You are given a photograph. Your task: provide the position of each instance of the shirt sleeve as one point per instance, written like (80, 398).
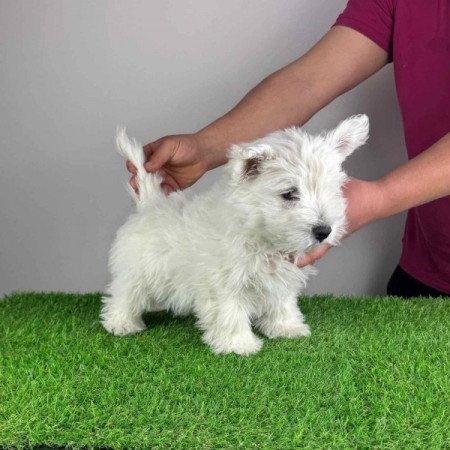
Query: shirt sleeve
(372, 18)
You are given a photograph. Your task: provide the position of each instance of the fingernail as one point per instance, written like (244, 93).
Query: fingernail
(166, 188)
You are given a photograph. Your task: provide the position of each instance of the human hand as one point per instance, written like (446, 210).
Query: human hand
(363, 206)
(180, 159)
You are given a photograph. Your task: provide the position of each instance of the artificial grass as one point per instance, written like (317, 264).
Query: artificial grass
(374, 374)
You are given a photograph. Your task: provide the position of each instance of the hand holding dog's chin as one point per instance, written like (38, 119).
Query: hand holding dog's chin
(364, 205)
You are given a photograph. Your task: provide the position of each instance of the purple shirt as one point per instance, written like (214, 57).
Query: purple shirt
(416, 35)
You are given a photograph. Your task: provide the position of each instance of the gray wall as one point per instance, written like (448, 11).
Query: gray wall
(70, 71)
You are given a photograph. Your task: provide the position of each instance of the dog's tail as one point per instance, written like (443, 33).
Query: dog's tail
(149, 184)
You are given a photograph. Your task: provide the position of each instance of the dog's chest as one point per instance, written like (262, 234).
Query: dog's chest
(277, 273)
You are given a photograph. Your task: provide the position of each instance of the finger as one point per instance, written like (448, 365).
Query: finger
(306, 260)
(167, 188)
(133, 183)
(131, 167)
(170, 182)
(148, 149)
(312, 257)
(160, 156)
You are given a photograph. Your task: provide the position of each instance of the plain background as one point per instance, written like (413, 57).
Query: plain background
(70, 71)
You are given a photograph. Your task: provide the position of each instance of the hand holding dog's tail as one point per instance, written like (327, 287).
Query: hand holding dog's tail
(148, 184)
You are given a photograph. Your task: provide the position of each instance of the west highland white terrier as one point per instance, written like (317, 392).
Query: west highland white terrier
(228, 255)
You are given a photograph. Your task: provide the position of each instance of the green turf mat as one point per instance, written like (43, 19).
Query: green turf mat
(374, 374)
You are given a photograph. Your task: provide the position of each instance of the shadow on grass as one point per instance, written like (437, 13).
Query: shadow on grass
(167, 318)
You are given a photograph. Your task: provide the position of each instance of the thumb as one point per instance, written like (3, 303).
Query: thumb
(313, 256)
(160, 155)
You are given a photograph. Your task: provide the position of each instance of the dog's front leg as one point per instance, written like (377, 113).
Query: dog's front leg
(281, 317)
(123, 307)
(227, 328)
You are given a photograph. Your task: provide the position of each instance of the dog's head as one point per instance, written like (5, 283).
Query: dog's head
(288, 184)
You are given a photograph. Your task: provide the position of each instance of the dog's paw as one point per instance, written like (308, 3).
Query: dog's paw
(245, 345)
(123, 327)
(286, 329)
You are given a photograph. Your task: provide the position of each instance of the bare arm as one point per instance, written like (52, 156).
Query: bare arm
(342, 59)
(420, 180)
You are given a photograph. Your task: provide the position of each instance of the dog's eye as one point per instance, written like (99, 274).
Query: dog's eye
(291, 195)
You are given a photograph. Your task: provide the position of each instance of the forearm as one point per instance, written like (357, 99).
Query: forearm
(421, 180)
(339, 61)
(279, 101)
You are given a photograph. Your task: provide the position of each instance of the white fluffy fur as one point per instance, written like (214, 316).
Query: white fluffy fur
(227, 255)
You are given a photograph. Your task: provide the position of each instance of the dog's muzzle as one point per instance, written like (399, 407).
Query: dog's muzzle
(321, 232)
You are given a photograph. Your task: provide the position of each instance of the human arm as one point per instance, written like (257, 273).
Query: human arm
(339, 61)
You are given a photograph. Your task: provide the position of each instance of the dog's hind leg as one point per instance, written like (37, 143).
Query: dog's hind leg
(123, 307)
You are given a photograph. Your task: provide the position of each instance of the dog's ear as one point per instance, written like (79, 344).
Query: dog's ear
(350, 134)
(244, 161)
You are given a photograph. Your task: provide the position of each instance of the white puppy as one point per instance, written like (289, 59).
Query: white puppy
(227, 255)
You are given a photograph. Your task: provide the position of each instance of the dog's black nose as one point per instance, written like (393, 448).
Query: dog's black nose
(321, 232)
